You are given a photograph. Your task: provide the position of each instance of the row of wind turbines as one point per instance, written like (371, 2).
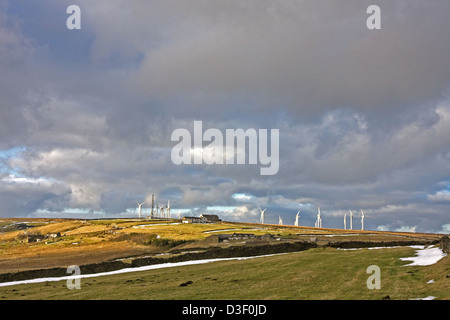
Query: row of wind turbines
(158, 211)
(318, 222)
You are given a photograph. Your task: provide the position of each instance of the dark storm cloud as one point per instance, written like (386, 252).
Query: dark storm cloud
(302, 57)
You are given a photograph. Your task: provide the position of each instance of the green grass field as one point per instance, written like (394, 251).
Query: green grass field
(314, 274)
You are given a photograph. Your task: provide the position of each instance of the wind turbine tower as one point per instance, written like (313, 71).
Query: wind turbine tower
(345, 221)
(297, 216)
(169, 215)
(140, 207)
(319, 219)
(362, 219)
(153, 206)
(261, 219)
(280, 220)
(351, 220)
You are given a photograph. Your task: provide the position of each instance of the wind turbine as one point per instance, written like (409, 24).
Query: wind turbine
(351, 220)
(362, 219)
(319, 219)
(280, 220)
(345, 221)
(153, 206)
(297, 216)
(140, 207)
(261, 219)
(169, 215)
(316, 223)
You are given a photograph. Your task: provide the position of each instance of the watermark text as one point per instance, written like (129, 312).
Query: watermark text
(190, 148)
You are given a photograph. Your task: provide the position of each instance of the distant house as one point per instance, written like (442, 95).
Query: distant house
(229, 237)
(268, 236)
(210, 217)
(242, 236)
(35, 238)
(204, 218)
(194, 220)
(217, 238)
(54, 235)
(22, 226)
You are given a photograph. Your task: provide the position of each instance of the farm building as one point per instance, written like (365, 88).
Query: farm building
(204, 218)
(194, 220)
(229, 237)
(36, 237)
(210, 217)
(242, 236)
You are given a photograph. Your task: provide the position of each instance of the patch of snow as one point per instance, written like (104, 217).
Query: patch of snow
(375, 248)
(431, 281)
(425, 257)
(413, 246)
(426, 298)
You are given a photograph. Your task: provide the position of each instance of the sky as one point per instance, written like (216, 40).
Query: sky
(87, 115)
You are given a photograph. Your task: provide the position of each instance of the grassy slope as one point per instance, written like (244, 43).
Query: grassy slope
(112, 238)
(313, 274)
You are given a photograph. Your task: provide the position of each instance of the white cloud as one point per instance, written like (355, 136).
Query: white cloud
(446, 228)
(240, 213)
(440, 196)
(12, 179)
(406, 229)
(243, 197)
(398, 229)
